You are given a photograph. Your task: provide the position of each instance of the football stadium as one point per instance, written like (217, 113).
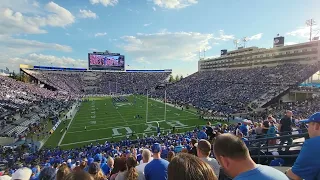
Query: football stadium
(128, 112)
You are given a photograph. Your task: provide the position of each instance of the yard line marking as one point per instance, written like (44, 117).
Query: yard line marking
(118, 136)
(74, 111)
(122, 117)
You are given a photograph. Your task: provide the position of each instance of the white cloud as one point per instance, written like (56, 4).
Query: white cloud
(13, 50)
(67, 34)
(100, 34)
(93, 50)
(174, 4)
(45, 60)
(14, 22)
(148, 24)
(165, 45)
(142, 60)
(58, 61)
(224, 37)
(255, 37)
(303, 32)
(104, 2)
(35, 4)
(87, 14)
(21, 45)
(154, 8)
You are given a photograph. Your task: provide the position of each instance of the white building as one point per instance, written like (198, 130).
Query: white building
(253, 56)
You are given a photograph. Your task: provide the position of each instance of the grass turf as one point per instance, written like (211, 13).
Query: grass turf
(101, 117)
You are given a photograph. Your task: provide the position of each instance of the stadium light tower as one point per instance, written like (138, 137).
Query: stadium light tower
(310, 23)
(236, 43)
(245, 40)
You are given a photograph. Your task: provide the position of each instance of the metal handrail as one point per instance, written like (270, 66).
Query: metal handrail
(260, 140)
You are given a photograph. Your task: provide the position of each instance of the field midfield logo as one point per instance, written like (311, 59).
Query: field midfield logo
(116, 131)
(175, 124)
(150, 127)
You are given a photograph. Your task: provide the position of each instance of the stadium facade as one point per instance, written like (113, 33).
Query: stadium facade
(303, 53)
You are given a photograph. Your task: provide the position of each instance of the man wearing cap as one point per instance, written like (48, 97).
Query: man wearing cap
(203, 151)
(202, 134)
(307, 165)
(157, 169)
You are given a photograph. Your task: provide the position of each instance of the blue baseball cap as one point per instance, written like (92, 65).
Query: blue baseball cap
(156, 148)
(313, 118)
(204, 128)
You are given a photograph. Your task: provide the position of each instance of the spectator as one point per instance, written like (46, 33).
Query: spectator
(178, 147)
(119, 165)
(285, 128)
(244, 129)
(188, 167)
(146, 157)
(22, 174)
(78, 175)
(95, 171)
(203, 151)
(62, 172)
(245, 140)
(259, 130)
(171, 155)
(131, 173)
(193, 149)
(107, 167)
(307, 165)
(209, 130)
(157, 168)
(233, 155)
(272, 132)
(202, 134)
(35, 173)
(83, 164)
(48, 173)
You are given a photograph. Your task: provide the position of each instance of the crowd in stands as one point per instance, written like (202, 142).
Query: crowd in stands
(22, 105)
(230, 91)
(207, 153)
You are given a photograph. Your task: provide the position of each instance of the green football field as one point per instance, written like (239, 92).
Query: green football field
(99, 120)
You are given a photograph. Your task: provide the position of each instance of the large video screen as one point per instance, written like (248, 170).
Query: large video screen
(106, 62)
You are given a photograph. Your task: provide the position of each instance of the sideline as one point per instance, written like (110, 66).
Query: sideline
(73, 112)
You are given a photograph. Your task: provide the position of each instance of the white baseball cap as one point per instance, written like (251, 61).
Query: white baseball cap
(22, 174)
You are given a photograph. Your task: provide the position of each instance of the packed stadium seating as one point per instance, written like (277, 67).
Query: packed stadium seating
(29, 102)
(230, 91)
(223, 91)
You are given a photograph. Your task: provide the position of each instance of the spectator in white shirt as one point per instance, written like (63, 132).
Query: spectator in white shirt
(146, 158)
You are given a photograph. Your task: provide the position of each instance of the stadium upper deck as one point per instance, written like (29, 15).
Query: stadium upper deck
(304, 53)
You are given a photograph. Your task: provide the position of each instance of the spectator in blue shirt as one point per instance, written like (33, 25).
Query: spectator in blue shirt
(157, 169)
(244, 129)
(307, 165)
(178, 147)
(245, 140)
(234, 157)
(202, 134)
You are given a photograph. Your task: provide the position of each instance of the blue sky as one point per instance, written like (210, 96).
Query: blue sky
(152, 34)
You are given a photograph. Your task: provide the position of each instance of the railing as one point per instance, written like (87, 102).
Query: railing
(257, 145)
(264, 141)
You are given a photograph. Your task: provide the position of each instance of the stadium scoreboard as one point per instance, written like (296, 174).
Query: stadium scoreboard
(106, 61)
